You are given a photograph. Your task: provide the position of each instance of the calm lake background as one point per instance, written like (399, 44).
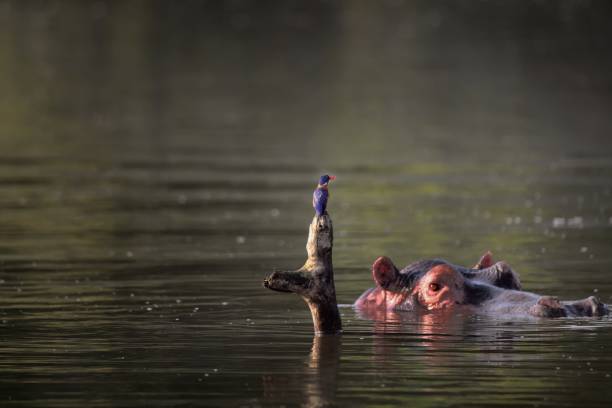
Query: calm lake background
(157, 161)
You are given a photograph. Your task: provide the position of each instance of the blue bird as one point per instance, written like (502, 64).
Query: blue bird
(321, 193)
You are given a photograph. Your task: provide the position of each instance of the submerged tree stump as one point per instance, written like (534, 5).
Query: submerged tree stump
(314, 281)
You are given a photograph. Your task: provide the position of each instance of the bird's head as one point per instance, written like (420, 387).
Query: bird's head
(325, 179)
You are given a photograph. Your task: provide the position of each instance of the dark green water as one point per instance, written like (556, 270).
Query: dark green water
(157, 162)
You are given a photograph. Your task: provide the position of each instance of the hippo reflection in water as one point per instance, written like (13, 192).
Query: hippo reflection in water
(487, 288)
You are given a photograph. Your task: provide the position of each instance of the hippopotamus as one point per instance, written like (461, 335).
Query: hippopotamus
(486, 288)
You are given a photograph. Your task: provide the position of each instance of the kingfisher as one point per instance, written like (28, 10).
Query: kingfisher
(321, 193)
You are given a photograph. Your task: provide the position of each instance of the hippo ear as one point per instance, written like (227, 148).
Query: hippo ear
(384, 272)
(485, 261)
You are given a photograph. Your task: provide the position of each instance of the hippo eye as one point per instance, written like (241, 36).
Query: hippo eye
(434, 287)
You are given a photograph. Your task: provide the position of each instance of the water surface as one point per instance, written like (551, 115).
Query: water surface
(157, 161)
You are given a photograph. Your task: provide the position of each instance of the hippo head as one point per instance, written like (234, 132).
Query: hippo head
(440, 287)
(436, 285)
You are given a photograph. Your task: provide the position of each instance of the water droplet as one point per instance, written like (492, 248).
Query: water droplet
(129, 254)
(240, 239)
(584, 249)
(275, 212)
(224, 303)
(575, 222)
(149, 309)
(558, 222)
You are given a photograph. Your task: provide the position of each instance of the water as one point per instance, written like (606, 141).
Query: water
(157, 161)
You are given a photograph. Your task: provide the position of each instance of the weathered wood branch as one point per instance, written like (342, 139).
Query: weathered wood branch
(314, 281)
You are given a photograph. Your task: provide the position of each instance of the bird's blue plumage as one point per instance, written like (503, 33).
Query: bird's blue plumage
(319, 200)
(324, 179)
